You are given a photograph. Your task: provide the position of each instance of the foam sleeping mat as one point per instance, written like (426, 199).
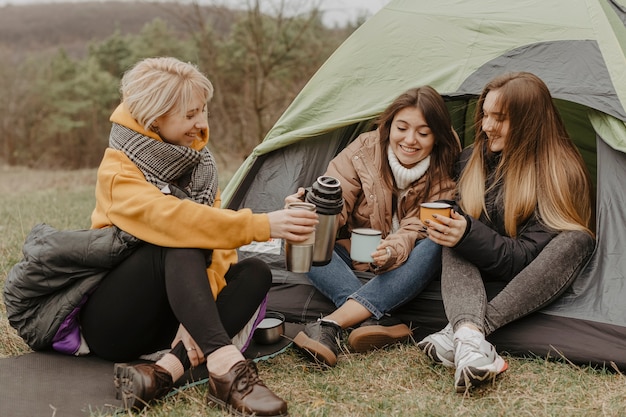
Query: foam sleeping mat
(41, 384)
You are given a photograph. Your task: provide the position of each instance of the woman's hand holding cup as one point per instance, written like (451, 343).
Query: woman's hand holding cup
(292, 225)
(446, 231)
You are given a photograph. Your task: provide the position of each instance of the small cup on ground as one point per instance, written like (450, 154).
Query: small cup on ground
(428, 209)
(270, 329)
(363, 243)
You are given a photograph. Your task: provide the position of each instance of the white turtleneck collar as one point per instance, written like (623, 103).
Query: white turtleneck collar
(406, 176)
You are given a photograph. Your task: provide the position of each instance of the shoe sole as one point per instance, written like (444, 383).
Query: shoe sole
(124, 381)
(430, 350)
(364, 339)
(315, 350)
(216, 402)
(473, 376)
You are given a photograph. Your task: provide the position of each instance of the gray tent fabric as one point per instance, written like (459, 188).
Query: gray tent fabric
(591, 298)
(583, 58)
(457, 46)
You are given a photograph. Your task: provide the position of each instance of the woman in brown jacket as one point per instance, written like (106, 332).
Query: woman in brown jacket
(385, 174)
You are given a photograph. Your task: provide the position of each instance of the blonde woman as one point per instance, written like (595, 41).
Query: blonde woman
(183, 287)
(522, 183)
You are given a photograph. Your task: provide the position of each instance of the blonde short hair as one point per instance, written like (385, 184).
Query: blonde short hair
(157, 86)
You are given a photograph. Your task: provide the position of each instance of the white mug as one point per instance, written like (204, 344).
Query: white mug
(363, 243)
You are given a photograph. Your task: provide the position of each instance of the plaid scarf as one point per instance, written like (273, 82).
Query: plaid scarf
(163, 163)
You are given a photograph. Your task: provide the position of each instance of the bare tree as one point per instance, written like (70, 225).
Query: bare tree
(258, 56)
(55, 105)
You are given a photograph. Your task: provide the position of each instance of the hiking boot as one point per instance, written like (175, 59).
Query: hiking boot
(439, 347)
(240, 391)
(320, 341)
(139, 384)
(376, 334)
(476, 360)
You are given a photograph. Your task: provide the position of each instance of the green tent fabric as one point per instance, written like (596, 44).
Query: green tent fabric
(577, 47)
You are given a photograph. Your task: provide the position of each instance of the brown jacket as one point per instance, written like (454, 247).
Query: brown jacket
(368, 199)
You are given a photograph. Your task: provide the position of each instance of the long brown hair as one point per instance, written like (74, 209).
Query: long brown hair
(446, 147)
(540, 166)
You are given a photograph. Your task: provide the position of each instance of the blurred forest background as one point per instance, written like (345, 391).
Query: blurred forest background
(61, 65)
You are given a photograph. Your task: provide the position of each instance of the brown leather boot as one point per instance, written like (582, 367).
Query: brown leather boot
(376, 334)
(242, 392)
(139, 384)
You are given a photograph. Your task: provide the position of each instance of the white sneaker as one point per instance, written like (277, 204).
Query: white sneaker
(476, 360)
(439, 347)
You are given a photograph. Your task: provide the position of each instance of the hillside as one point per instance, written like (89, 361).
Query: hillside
(65, 103)
(42, 27)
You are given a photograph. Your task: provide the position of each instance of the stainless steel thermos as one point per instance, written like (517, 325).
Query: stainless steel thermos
(326, 195)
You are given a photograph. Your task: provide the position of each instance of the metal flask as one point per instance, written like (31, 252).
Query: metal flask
(326, 194)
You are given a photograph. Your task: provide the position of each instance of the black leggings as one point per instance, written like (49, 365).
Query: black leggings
(137, 308)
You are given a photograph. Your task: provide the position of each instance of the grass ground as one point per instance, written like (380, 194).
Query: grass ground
(397, 381)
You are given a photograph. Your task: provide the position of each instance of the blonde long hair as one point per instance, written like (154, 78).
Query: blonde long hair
(540, 166)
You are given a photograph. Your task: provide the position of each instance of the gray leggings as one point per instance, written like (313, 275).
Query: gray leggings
(541, 282)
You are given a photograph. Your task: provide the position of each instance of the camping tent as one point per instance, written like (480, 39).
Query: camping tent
(576, 46)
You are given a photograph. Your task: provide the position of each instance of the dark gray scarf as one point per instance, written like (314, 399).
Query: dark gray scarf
(163, 163)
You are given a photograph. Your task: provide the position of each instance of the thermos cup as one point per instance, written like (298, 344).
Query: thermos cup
(326, 195)
(299, 255)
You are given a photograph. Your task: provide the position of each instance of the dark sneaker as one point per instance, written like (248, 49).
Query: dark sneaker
(320, 342)
(476, 360)
(376, 334)
(439, 347)
(241, 392)
(137, 385)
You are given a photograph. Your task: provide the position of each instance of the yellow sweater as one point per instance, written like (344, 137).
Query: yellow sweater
(124, 198)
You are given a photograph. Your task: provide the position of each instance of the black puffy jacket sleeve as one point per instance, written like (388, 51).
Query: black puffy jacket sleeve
(501, 257)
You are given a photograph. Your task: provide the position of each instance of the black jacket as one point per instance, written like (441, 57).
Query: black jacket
(486, 244)
(58, 269)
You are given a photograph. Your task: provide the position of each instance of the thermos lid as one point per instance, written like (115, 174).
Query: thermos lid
(326, 194)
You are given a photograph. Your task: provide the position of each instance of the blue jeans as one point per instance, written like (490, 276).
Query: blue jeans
(384, 292)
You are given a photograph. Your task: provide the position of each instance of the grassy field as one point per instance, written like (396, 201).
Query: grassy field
(398, 381)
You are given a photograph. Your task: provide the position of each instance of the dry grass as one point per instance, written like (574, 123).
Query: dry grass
(398, 381)
(63, 199)
(18, 180)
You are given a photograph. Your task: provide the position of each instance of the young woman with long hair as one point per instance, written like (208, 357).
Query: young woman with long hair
(521, 183)
(385, 174)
